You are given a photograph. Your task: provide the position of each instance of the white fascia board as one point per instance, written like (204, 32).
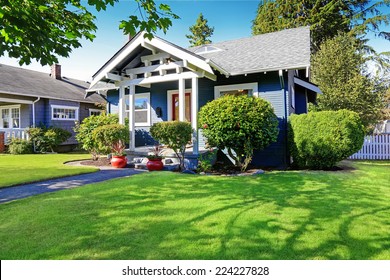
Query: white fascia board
(11, 100)
(177, 52)
(218, 68)
(101, 89)
(119, 58)
(262, 70)
(307, 85)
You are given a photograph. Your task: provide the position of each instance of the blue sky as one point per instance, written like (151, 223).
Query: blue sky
(231, 20)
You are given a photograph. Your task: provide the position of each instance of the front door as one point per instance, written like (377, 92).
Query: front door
(175, 107)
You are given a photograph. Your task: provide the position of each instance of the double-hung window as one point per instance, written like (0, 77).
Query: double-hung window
(66, 113)
(9, 116)
(249, 89)
(141, 108)
(95, 112)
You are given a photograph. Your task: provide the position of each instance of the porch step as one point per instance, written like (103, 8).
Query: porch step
(169, 164)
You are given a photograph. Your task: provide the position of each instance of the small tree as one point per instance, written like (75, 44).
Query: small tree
(85, 132)
(175, 134)
(318, 140)
(200, 32)
(338, 69)
(241, 124)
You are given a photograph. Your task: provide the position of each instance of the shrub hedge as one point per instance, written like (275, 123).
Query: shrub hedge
(18, 146)
(319, 140)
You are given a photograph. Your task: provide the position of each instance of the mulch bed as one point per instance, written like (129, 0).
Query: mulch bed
(103, 161)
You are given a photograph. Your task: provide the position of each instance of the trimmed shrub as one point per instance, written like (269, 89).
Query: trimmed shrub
(111, 138)
(18, 146)
(175, 134)
(241, 124)
(84, 132)
(319, 140)
(47, 139)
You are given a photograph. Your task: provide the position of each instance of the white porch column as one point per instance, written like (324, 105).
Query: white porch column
(132, 118)
(194, 115)
(182, 100)
(122, 105)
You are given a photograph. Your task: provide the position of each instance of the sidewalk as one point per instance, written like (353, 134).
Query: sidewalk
(26, 190)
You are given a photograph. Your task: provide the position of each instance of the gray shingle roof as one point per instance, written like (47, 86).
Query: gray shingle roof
(19, 81)
(286, 49)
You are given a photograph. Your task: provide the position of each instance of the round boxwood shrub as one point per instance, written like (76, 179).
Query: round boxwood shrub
(319, 140)
(84, 132)
(239, 123)
(111, 138)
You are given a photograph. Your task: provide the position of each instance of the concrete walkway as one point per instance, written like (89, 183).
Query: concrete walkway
(22, 191)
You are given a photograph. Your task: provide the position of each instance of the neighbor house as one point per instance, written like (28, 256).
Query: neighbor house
(30, 98)
(155, 80)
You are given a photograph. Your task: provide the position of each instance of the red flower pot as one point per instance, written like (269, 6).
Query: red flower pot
(118, 161)
(154, 165)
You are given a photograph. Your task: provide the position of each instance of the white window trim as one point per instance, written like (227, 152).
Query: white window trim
(64, 107)
(253, 86)
(143, 95)
(170, 93)
(10, 107)
(94, 110)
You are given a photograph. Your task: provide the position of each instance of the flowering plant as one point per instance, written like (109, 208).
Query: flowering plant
(155, 153)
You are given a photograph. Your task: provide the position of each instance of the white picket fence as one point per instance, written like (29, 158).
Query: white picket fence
(374, 147)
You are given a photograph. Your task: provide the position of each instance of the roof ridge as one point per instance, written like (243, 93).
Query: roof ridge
(251, 37)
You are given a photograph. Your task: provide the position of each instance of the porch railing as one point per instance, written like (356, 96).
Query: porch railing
(10, 133)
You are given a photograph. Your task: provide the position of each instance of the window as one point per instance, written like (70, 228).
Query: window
(142, 109)
(207, 49)
(250, 89)
(95, 112)
(10, 117)
(66, 113)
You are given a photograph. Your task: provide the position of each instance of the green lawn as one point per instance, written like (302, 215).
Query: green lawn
(18, 169)
(161, 215)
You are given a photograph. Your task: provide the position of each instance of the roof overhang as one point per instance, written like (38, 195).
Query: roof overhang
(309, 86)
(174, 62)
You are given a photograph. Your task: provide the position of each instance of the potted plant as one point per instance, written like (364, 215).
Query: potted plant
(155, 159)
(118, 159)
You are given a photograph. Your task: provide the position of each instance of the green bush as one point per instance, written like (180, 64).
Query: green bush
(241, 124)
(84, 132)
(111, 138)
(18, 146)
(318, 140)
(175, 134)
(47, 139)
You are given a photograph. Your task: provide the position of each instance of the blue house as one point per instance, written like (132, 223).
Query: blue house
(154, 80)
(30, 98)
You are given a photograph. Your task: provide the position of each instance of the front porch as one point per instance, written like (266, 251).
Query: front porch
(171, 162)
(156, 81)
(19, 133)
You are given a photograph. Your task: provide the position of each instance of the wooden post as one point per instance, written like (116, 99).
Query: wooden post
(132, 118)
(182, 100)
(122, 105)
(194, 116)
